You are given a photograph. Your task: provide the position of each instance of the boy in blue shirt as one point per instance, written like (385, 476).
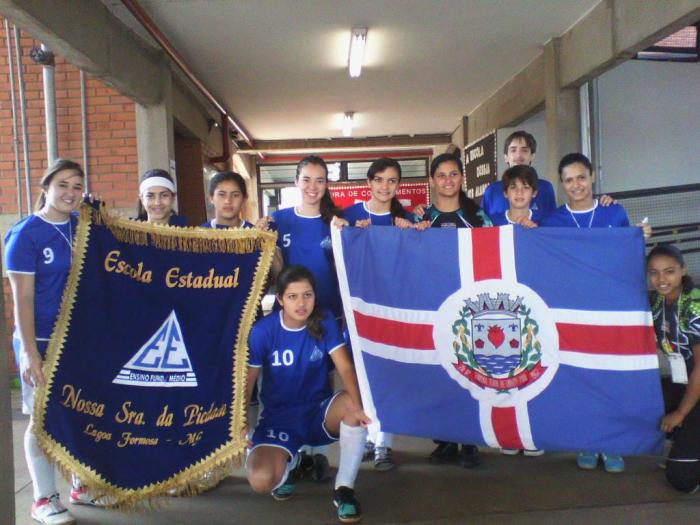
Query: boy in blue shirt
(519, 149)
(520, 188)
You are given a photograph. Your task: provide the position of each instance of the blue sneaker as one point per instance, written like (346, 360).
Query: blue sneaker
(285, 491)
(613, 464)
(587, 460)
(348, 507)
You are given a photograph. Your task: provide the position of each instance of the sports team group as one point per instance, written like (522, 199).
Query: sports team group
(302, 338)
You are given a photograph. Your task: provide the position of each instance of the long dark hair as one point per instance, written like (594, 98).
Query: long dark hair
(231, 176)
(142, 215)
(328, 207)
(470, 209)
(380, 165)
(50, 173)
(295, 274)
(674, 253)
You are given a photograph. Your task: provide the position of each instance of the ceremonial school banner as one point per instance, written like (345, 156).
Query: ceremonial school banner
(146, 366)
(508, 337)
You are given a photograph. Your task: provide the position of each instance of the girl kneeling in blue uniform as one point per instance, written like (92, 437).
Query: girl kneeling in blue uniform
(292, 348)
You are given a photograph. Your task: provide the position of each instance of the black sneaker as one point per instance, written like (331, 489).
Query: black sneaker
(369, 451)
(349, 510)
(443, 453)
(321, 469)
(383, 459)
(469, 456)
(306, 464)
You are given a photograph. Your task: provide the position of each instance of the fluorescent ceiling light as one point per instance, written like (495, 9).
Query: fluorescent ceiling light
(347, 123)
(358, 39)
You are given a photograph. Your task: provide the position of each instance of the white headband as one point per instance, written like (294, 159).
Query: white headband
(150, 182)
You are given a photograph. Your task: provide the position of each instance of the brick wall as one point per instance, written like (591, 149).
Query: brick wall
(190, 180)
(111, 129)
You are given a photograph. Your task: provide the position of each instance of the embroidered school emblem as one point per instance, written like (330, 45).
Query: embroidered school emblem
(162, 361)
(316, 355)
(496, 343)
(502, 343)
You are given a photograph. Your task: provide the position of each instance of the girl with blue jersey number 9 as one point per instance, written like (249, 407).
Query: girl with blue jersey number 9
(38, 257)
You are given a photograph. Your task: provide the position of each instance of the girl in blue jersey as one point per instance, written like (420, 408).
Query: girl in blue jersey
(451, 208)
(292, 348)
(583, 211)
(228, 194)
(519, 188)
(383, 208)
(675, 306)
(304, 232)
(156, 198)
(38, 257)
(303, 237)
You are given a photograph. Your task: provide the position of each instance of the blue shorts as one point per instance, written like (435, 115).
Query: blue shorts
(292, 428)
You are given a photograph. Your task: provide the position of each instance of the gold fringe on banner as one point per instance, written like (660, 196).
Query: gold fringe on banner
(209, 471)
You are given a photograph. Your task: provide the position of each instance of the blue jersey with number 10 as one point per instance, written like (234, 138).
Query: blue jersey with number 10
(307, 241)
(294, 363)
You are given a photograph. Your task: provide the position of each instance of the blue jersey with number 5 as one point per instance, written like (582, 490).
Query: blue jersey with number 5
(307, 241)
(35, 246)
(294, 363)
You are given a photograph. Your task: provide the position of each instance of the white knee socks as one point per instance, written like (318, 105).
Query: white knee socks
(352, 447)
(384, 439)
(41, 469)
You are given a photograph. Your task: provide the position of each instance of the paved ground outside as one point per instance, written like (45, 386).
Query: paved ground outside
(548, 489)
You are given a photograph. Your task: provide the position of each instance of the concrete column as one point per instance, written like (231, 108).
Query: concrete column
(155, 140)
(562, 113)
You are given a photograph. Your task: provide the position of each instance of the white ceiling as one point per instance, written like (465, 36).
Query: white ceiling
(280, 66)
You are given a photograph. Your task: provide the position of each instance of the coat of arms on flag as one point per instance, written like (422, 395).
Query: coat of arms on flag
(147, 363)
(508, 337)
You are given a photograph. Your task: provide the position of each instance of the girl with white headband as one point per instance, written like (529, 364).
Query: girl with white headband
(156, 197)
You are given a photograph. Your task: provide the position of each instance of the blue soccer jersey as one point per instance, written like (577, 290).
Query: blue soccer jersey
(307, 241)
(294, 364)
(502, 219)
(211, 224)
(35, 246)
(612, 216)
(359, 212)
(495, 202)
(177, 220)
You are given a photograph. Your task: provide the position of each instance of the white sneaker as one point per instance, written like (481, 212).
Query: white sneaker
(510, 451)
(532, 452)
(80, 496)
(52, 512)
